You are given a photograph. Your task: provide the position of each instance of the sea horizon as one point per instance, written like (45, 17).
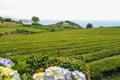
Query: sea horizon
(83, 23)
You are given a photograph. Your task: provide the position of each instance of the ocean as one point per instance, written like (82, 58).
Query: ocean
(83, 23)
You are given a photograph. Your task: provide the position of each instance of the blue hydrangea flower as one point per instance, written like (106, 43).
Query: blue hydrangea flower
(57, 73)
(6, 62)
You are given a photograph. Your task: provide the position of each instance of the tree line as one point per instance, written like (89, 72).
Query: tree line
(5, 19)
(9, 20)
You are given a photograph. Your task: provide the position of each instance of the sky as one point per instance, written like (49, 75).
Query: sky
(61, 9)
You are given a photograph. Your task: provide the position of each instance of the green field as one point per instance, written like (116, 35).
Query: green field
(13, 28)
(99, 47)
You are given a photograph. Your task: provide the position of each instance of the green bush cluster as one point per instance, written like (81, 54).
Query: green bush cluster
(98, 68)
(37, 64)
(24, 31)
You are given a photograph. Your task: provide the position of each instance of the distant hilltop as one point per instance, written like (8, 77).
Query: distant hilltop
(66, 24)
(63, 24)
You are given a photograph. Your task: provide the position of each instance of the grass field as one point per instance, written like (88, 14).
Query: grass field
(13, 28)
(99, 47)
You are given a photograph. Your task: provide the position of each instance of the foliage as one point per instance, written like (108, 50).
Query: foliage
(70, 65)
(36, 24)
(20, 29)
(35, 19)
(101, 26)
(50, 28)
(27, 25)
(36, 64)
(101, 66)
(26, 76)
(1, 19)
(67, 24)
(24, 31)
(20, 22)
(89, 25)
(8, 19)
(53, 30)
(40, 64)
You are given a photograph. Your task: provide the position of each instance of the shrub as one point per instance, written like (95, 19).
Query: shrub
(52, 30)
(38, 64)
(89, 25)
(8, 19)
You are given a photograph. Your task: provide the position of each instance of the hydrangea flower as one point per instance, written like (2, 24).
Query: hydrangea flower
(78, 75)
(57, 73)
(8, 74)
(6, 62)
(38, 76)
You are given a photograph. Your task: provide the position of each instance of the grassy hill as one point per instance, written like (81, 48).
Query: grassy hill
(7, 28)
(99, 47)
(67, 24)
(8, 24)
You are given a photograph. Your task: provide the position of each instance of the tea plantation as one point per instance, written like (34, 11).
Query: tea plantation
(98, 47)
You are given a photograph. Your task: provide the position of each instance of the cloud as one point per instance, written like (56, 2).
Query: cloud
(61, 9)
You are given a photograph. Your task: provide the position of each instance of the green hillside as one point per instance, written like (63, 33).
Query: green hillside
(8, 28)
(99, 47)
(67, 24)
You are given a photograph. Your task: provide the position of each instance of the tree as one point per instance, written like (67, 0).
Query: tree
(101, 27)
(89, 25)
(35, 19)
(8, 19)
(2, 19)
(20, 22)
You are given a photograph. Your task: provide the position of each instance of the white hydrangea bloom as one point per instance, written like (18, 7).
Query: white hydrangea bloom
(78, 75)
(38, 76)
(57, 73)
(9, 73)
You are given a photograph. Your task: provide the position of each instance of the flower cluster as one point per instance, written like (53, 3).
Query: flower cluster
(78, 75)
(8, 74)
(58, 73)
(6, 62)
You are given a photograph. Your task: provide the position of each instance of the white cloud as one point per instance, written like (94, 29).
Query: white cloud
(61, 9)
